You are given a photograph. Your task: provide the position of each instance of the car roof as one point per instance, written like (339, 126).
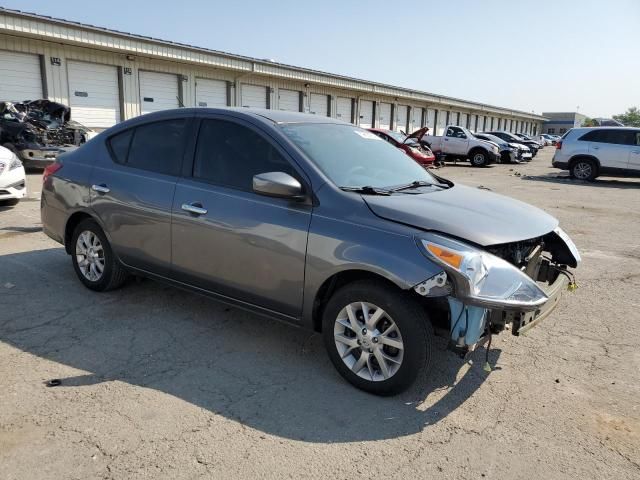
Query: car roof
(587, 129)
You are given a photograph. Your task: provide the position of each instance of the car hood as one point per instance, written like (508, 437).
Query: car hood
(479, 216)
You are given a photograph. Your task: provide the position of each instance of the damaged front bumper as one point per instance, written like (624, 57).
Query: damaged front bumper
(38, 156)
(541, 263)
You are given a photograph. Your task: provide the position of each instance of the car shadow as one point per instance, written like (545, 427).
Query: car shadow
(600, 182)
(258, 372)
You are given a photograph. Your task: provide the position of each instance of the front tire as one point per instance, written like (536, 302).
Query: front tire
(479, 158)
(93, 259)
(584, 169)
(378, 338)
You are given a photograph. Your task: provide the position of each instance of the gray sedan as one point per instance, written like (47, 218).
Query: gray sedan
(312, 221)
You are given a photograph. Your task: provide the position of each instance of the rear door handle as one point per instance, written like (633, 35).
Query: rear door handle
(596, 148)
(102, 188)
(194, 208)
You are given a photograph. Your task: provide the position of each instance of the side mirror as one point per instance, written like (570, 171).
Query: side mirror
(277, 184)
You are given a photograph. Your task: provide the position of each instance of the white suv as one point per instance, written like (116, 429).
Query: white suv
(589, 152)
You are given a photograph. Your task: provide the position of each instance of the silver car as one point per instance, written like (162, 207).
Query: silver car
(312, 221)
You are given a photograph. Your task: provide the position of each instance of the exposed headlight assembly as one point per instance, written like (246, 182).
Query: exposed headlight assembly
(483, 279)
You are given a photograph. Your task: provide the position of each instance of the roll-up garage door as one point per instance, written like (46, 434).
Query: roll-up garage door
(211, 93)
(385, 116)
(158, 91)
(431, 120)
(416, 119)
(464, 118)
(94, 97)
(254, 96)
(442, 122)
(319, 104)
(344, 109)
(401, 118)
(20, 77)
(288, 100)
(366, 114)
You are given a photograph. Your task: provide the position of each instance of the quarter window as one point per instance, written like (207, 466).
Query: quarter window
(119, 146)
(230, 155)
(156, 147)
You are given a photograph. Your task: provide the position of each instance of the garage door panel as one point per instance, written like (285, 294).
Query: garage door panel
(289, 100)
(211, 93)
(20, 77)
(401, 118)
(344, 109)
(254, 96)
(366, 114)
(94, 96)
(385, 116)
(158, 91)
(319, 104)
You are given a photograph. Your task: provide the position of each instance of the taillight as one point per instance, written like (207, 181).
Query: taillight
(559, 145)
(50, 170)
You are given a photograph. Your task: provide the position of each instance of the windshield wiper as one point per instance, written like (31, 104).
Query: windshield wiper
(417, 184)
(367, 189)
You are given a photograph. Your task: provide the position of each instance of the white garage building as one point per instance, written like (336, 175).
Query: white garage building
(108, 76)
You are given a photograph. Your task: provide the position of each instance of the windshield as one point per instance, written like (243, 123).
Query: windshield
(351, 156)
(492, 138)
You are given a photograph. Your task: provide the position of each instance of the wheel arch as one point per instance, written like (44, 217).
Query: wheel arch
(338, 280)
(476, 149)
(72, 222)
(584, 156)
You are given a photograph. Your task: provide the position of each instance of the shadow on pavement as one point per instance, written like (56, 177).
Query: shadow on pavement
(598, 182)
(263, 374)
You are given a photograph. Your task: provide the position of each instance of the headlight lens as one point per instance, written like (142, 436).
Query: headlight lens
(483, 278)
(15, 163)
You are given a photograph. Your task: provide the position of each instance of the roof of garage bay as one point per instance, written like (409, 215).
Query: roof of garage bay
(39, 26)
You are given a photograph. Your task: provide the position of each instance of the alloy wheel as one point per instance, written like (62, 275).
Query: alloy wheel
(582, 170)
(368, 341)
(90, 256)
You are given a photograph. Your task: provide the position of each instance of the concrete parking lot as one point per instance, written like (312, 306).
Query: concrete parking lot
(159, 383)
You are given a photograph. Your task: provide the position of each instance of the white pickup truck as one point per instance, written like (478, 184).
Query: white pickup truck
(458, 142)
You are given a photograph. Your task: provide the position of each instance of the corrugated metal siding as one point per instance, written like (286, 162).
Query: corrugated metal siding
(67, 33)
(234, 71)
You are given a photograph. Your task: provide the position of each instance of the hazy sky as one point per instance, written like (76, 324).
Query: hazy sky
(537, 56)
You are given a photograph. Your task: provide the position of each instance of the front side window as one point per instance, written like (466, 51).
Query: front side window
(455, 132)
(158, 147)
(230, 154)
(354, 157)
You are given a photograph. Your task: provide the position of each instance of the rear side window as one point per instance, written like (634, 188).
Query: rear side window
(617, 137)
(119, 145)
(230, 155)
(156, 147)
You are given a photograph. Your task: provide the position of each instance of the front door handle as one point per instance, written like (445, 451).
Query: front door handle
(596, 148)
(195, 208)
(102, 188)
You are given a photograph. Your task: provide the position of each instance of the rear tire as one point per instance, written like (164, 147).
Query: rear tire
(93, 259)
(584, 169)
(402, 322)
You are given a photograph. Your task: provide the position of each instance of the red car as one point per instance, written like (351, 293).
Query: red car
(409, 144)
